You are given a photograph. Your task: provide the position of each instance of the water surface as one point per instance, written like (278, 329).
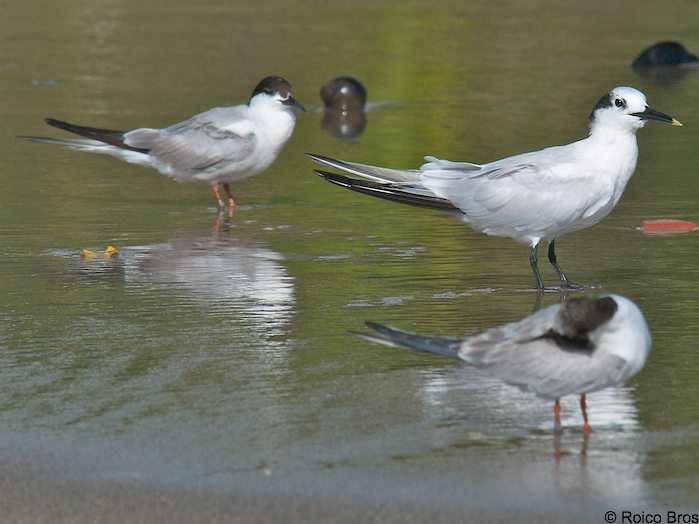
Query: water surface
(212, 352)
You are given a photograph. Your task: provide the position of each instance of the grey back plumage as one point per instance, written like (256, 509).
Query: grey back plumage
(550, 352)
(579, 346)
(201, 143)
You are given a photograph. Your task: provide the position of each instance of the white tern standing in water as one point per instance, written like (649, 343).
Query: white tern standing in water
(574, 348)
(219, 146)
(530, 197)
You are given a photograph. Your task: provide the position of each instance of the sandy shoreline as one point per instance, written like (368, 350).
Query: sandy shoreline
(38, 488)
(37, 501)
(45, 480)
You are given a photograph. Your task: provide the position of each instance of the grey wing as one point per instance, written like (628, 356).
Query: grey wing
(531, 162)
(534, 326)
(499, 198)
(483, 191)
(205, 142)
(542, 368)
(522, 354)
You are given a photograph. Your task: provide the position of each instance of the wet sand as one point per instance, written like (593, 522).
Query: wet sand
(27, 500)
(39, 488)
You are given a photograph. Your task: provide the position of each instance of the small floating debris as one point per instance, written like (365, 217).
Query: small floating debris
(667, 226)
(665, 54)
(343, 94)
(109, 252)
(344, 100)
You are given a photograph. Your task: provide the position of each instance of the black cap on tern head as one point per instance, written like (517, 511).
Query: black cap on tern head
(276, 84)
(582, 315)
(627, 101)
(605, 101)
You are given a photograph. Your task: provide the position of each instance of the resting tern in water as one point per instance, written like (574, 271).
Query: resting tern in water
(573, 348)
(219, 146)
(529, 197)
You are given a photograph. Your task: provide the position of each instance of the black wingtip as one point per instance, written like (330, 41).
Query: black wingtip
(57, 123)
(334, 178)
(384, 331)
(315, 156)
(67, 126)
(325, 160)
(108, 136)
(391, 192)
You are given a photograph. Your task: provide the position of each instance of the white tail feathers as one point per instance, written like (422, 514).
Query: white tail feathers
(95, 146)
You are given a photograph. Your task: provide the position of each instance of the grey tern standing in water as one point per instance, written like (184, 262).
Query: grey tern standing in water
(219, 146)
(530, 197)
(574, 348)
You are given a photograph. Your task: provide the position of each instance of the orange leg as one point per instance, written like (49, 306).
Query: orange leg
(227, 189)
(217, 194)
(583, 407)
(557, 428)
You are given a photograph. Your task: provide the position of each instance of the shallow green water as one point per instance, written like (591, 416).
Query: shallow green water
(213, 351)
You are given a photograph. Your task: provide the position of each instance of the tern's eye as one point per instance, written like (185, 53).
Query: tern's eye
(619, 102)
(267, 91)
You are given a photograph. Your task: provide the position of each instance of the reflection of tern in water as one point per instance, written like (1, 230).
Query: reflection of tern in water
(574, 348)
(491, 405)
(168, 334)
(228, 272)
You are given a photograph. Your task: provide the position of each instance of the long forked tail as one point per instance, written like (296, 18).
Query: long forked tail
(378, 174)
(411, 195)
(94, 135)
(390, 336)
(108, 136)
(399, 185)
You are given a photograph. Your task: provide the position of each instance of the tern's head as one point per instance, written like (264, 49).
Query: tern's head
(610, 324)
(274, 91)
(626, 335)
(626, 108)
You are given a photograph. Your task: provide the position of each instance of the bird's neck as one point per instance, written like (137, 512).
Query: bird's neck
(610, 131)
(274, 123)
(618, 142)
(614, 153)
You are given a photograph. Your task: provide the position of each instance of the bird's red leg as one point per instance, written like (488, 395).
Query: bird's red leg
(583, 407)
(227, 189)
(217, 194)
(557, 428)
